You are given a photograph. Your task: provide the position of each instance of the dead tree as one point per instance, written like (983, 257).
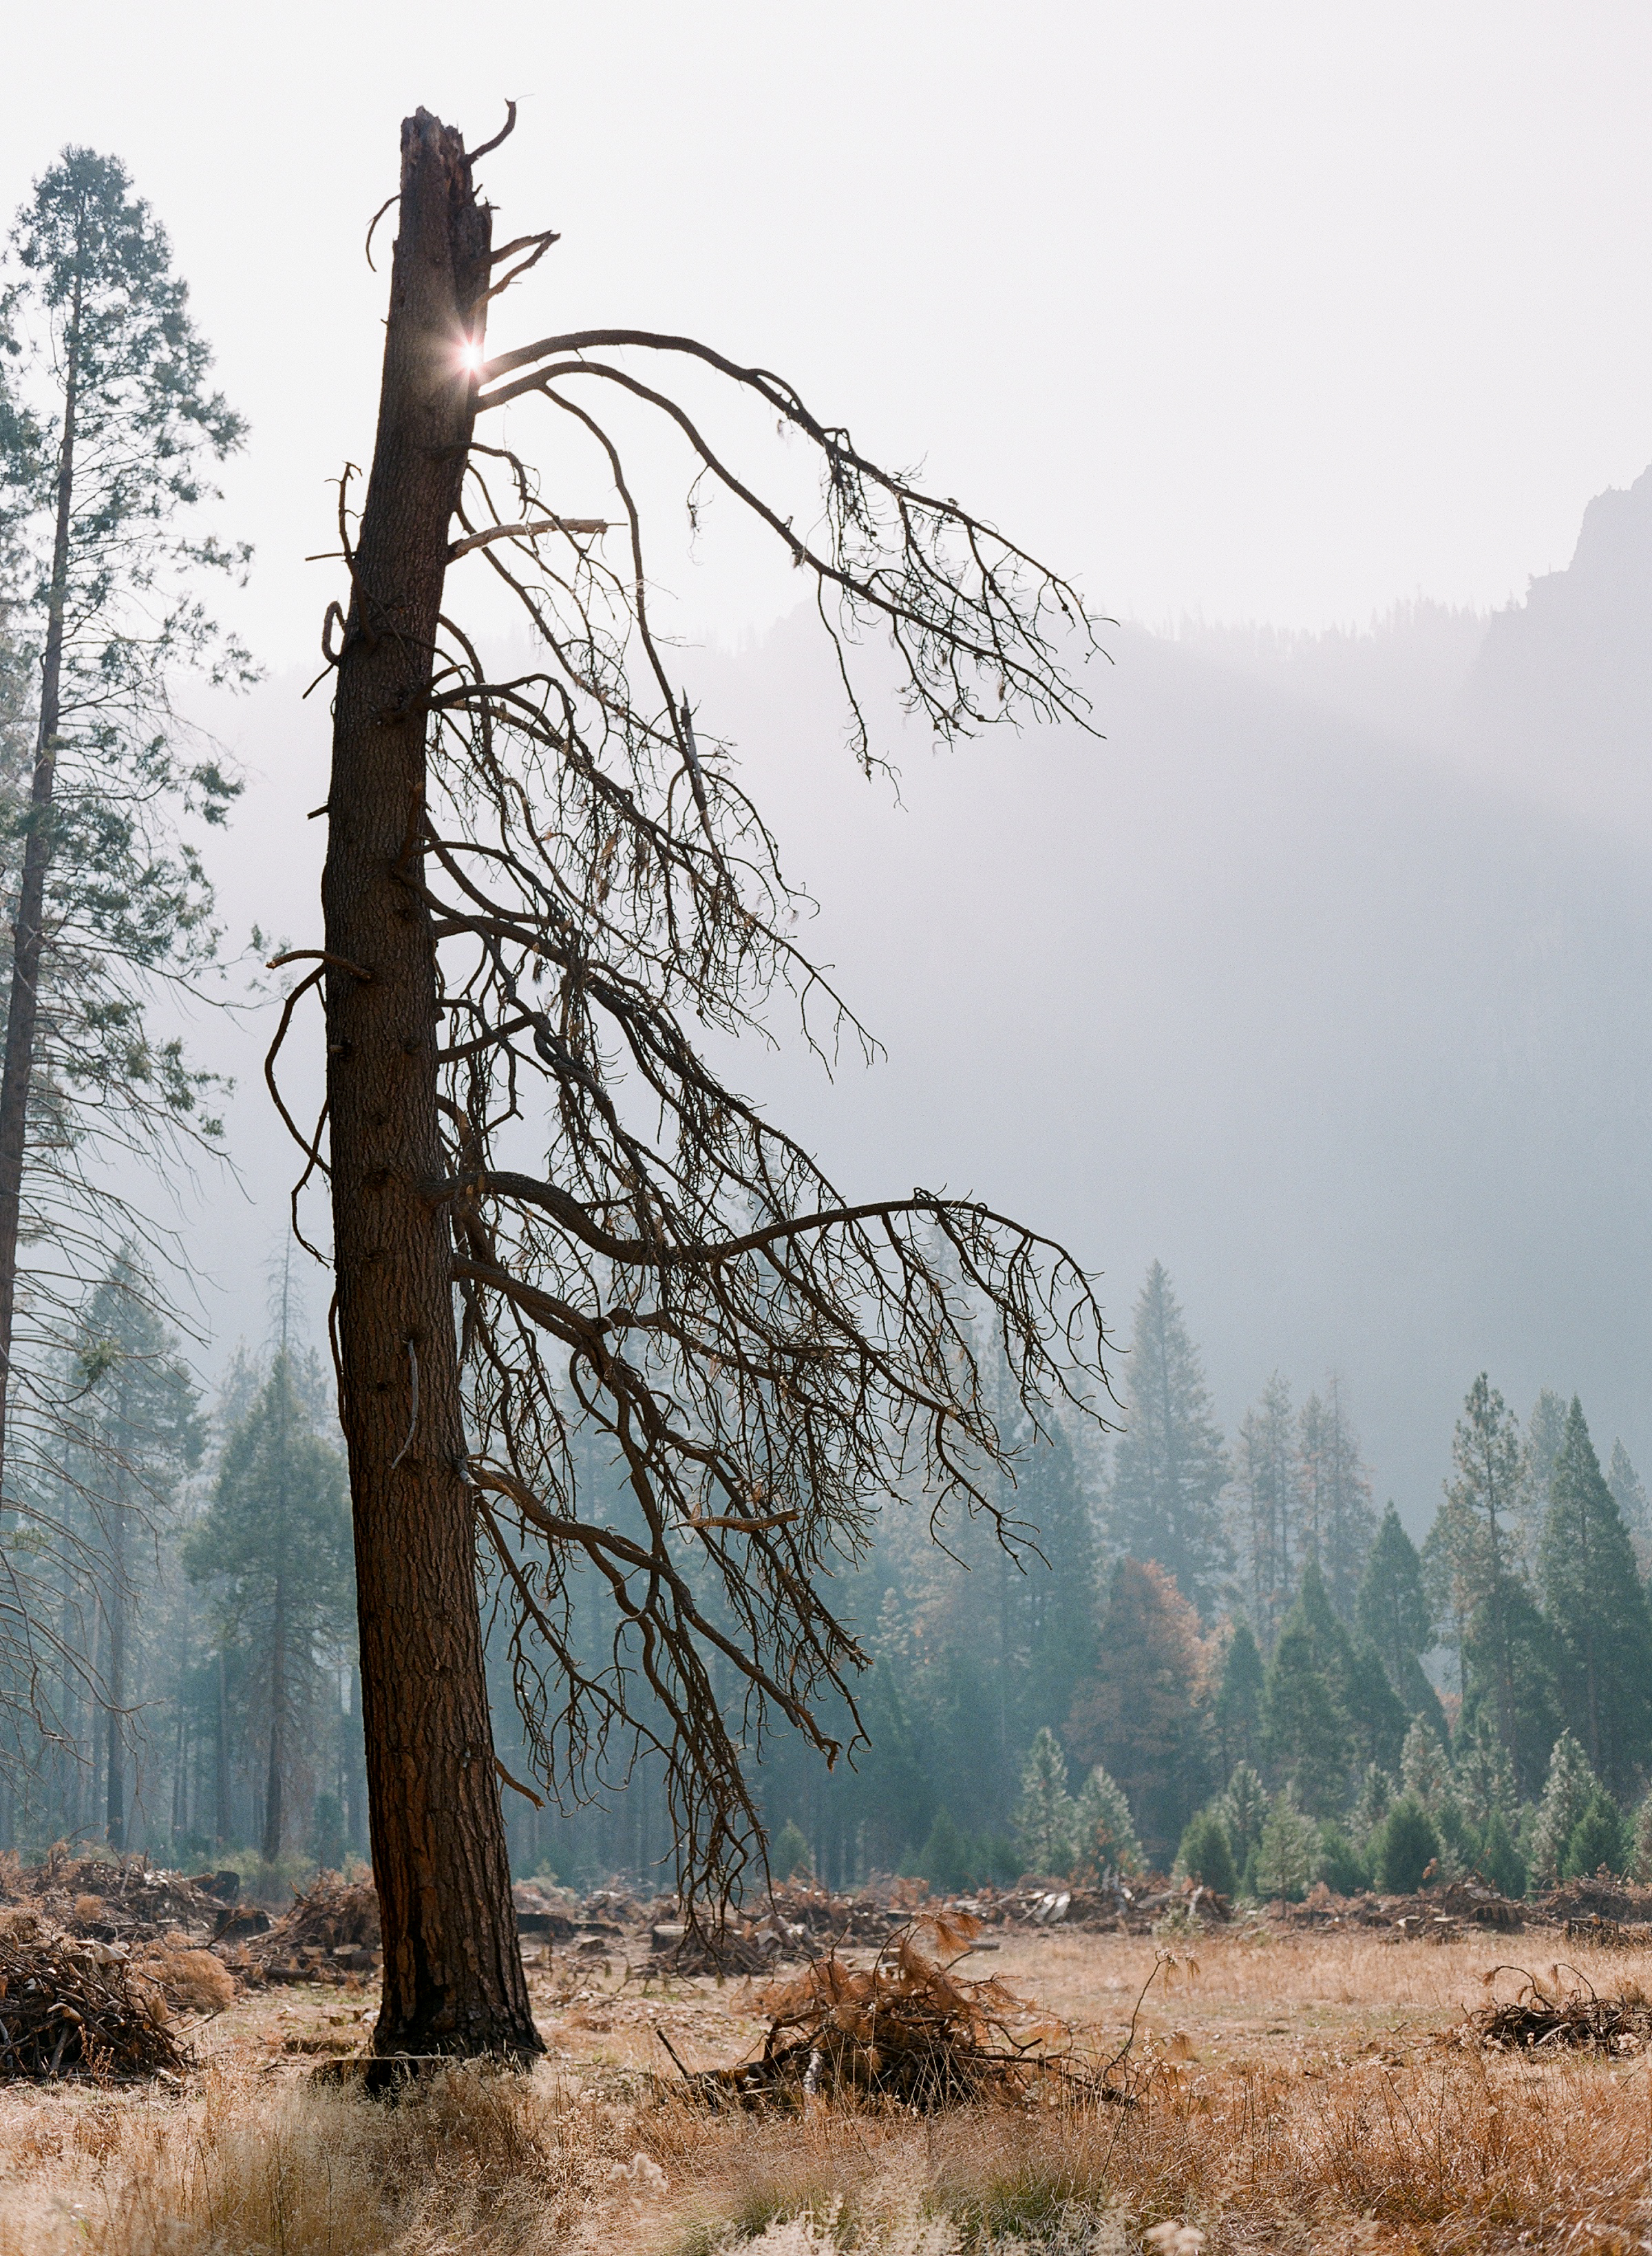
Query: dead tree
(552, 1218)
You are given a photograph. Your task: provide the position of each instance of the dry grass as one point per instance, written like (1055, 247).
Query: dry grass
(1298, 2100)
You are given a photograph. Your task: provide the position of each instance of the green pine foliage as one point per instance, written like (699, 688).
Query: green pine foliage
(1517, 1630)
(946, 1861)
(1170, 1467)
(1243, 1810)
(1339, 1863)
(1597, 1840)
(1104, 1832)
(1495, 1857)
(1333, 1496)
(1598, 1611)
(1392, 1610)
(1569, 1789)
(1402, 1850)
(1282, 1866)
(1310, 1734)
(790, 1859)
(1045, 1820)
(1265, 1494)
(1239, 1722)
(1371, 1806)
(1206, 1854)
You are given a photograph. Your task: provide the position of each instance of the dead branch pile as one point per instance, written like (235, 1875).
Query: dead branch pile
(1604, 1897)
(1438, 1913)
(1555, 2017)
(115, 1899)
(330, 1932)
(906, 2030)
(71, 2008)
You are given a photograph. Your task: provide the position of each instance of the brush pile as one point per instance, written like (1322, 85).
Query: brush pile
(1550, 2016)
(70, 2008)
(330, 1932)
(906, 2031)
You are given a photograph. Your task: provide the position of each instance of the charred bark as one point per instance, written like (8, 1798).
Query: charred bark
(453, 1970)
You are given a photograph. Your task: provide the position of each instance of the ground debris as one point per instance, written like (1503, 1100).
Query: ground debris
(1552, 2015)
(77, 2008)
(907, 2030)
(329, 1933)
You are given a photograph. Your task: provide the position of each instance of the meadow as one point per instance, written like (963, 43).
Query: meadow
(1297, 2090)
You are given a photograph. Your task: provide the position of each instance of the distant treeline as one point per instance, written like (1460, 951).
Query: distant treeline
(1185, 1647)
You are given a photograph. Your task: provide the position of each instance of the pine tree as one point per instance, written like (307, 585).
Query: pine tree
(1567, 1793)
(1206, 1854)
(1240, 1719)
(1545, 1431)
(1142, 1713)
(1528, 1645)
(1170, 1469)
(1104, 1829)
(1377, 1716)
(1045, 1820)
(1392, 1611)
(1243, 1810)
(1597, 1841)
(1055, 1599)
(1310, 1681)
(1282, 1864)
(1265, 1495)
(1594, 1600)
(143, 1433)
(276, 1540)
(1407, 1844)
(102, 458)
(1333, 1496)
(1484, 1773)
(1482, 1506)
(1370, 1806)
(1629, 1495)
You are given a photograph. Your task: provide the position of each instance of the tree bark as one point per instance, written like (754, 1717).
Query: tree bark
(273, 1794)
(452, 1967)
(23, 1008)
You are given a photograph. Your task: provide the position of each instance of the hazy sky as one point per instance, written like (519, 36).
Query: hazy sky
(1275, 311)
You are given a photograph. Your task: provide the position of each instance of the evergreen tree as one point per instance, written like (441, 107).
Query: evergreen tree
(1046, 1821)
(1497, 1859)
(1169, 1468)
(1641, 1852)
(1057, 1593)
(1206, 1854)
(1528, 1645)
(1545, 1431)
(1144, 1712)
(1371, 1806)
(1310, 1679)
(1392, 1610)
(1377, 1718)
(1333, 1496)
(1597, 1840)
(1282, 1864)
(1567, 1793)
(1240, 1718)
(1482, 1506)
(101, 457)
(1483, 1773)
(276, 1540)
(1598, 1611)
(142, 1435)
(1104, 1829)
(945, 1862)
(1630, 1497)
(1265, 1496)
(1243, 1810)
(1405, 1847)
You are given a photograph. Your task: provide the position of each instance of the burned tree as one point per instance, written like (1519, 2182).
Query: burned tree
(552, 1218)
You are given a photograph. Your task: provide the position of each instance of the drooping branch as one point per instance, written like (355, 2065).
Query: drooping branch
(694, 1368)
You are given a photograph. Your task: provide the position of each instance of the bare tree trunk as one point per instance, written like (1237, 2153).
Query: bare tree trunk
(220, 1756)
(272, 1813)
(29, 933)
(115, 1693)
(453, 1967)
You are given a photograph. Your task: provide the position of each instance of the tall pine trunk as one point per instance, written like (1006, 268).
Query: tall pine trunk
(452, 1966)
(23, 1008)
(273, 1792)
